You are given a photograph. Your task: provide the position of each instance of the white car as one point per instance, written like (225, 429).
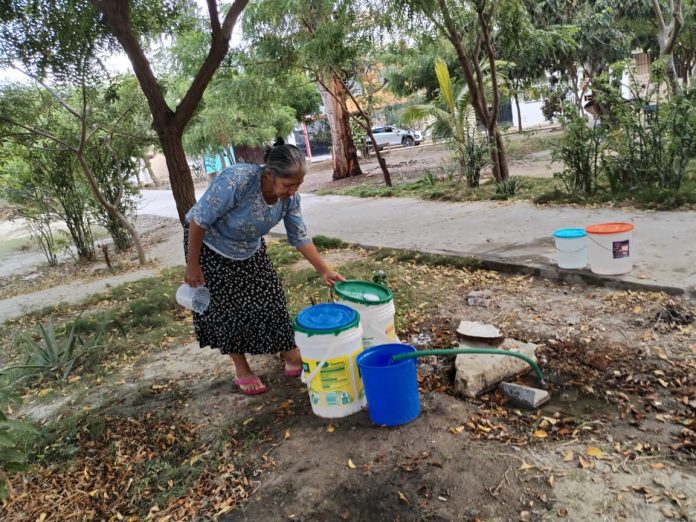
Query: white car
(389, 135)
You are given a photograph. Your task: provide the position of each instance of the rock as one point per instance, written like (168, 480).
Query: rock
(476, 329)
(476, 374)
(31, 277)
(525, 396)
(479, 298)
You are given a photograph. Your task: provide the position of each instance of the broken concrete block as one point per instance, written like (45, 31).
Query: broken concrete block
(476, 374)
(525, 396)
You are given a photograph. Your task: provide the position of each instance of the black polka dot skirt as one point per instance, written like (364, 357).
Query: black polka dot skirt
(248, 311)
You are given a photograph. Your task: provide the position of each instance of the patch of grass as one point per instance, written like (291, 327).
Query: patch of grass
(139, 317)
(282, 254)
(650, 198)
(15, 245)
(518, 146)
(526, 188)
(328, 243)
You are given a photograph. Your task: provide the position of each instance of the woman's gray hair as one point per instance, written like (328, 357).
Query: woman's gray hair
(283, 160)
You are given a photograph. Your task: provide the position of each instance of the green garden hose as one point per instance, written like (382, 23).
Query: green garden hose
(475, 351)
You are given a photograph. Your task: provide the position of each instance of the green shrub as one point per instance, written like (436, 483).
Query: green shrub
(13, 458)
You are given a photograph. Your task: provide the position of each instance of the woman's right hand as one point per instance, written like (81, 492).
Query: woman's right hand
(194, 275)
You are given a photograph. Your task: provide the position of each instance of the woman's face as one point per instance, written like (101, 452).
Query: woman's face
(286, 187)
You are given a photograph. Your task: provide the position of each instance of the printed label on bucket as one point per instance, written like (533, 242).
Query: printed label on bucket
(620, 249)
(390, 332)
(333, 385)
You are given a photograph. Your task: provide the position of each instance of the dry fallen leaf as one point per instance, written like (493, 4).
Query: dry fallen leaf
(330, 428)
(562, 512)
(657, 465)
(403, 498)
(540, 434)
(287, 434)
(568, 457)
(350, 464)
(584, 463)
(526, 466)
(595, 452)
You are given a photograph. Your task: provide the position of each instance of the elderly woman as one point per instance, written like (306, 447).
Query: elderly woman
(225, 250)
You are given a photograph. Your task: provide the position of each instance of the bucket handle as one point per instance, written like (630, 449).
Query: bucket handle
(308, 380)
(572, 251)
(632, 240)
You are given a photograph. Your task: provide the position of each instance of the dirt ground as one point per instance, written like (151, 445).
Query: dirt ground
(408, 164)
(616, 442)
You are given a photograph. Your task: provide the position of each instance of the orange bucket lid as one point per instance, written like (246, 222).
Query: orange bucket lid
(609, 228)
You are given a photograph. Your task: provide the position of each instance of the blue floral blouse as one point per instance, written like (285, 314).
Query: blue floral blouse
(235, 216)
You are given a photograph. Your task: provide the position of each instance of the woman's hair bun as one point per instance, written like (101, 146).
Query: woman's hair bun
(278, 142)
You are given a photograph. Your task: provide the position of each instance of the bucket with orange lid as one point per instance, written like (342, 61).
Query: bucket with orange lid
(610, 248)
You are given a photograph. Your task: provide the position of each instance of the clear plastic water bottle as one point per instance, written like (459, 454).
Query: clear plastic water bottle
(196, 299)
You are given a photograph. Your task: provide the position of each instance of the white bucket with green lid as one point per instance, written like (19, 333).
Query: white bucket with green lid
(375, 304)
(329, 337)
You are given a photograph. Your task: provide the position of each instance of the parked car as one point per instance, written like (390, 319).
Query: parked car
(389, 135)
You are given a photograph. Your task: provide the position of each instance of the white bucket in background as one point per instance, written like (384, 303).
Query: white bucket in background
(375, 304)
(329, 337)
(571, 248)
(611, 248)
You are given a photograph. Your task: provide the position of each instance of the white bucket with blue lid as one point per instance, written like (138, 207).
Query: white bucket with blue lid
(571, 248)
(329, 337)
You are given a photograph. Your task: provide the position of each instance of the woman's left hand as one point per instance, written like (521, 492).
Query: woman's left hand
(331, 277)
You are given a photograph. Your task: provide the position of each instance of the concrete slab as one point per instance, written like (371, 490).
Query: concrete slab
(502, 235)
(476, 374)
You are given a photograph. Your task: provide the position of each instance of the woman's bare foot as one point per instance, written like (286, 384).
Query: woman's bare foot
(293, 363)
(248, 383)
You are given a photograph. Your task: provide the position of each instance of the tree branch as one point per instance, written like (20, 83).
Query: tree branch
(674, 26)
(52, 92)
(214, 17)
(38, 132)
(219, 46)
(658, 13)
(116, 17)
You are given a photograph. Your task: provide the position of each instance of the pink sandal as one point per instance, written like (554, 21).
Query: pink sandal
(250, 381)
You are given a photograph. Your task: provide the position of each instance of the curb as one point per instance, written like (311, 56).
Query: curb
(552, 272)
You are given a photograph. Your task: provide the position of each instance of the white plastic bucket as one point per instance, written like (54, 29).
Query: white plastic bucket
(329, 337)
(611, 248)
(375, 304)
(571, 248)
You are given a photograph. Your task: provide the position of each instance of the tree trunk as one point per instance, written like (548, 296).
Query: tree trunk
(148, 166)
(179, 173)
(380, 159)
(504, 171)
(519, 113)
(343, 147)
(666, 38)
(169, 124)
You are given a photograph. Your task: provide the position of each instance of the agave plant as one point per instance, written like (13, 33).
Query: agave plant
(454, 122)
(54, 355)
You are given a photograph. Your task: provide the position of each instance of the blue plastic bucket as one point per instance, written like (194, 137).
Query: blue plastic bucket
(391, 389)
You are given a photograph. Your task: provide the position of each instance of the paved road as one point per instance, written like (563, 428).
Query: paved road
(510, 233)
